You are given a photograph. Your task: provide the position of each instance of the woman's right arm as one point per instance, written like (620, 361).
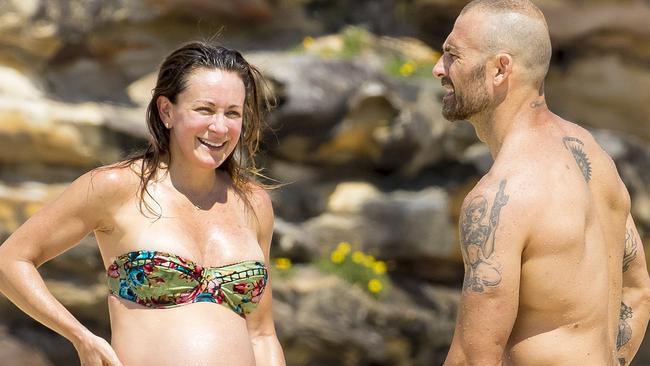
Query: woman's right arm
(57, 227)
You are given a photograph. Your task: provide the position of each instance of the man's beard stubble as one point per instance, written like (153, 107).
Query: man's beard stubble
(472, 99)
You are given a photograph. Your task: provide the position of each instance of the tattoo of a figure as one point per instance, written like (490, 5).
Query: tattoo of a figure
(478, 240)
(630, 249)
(624, 329)
(576, 147)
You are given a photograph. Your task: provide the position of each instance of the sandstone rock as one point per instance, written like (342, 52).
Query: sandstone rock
(479, 156)
(350, 197)
(290, 241)
(313, 308)
(14, 352)
(364, 131)
(141, 90)
(604, 92)
(55, 133)
(82, 264)
(251, 10)
(19, 202)
(303, 189)
(313, 92)
(385, 125)
(83, 301)
(18, 85)
(395, 226)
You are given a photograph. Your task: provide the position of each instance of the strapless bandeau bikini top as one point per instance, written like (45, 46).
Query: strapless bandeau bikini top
(162, 280)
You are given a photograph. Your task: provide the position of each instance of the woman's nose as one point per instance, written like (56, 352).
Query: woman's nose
(218, 125)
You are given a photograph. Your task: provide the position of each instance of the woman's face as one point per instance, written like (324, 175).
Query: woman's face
(206, 120)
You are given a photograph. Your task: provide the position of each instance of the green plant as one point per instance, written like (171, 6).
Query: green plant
(357, 267)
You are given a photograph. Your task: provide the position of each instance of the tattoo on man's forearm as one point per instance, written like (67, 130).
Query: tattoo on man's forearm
(621, 361)
(576, 147)
(478, 241)
(624, 328)
(630, 249)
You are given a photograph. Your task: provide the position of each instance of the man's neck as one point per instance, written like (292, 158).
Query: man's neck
(493, 127)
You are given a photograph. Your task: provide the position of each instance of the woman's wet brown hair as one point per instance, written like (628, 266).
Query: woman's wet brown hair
(172, 80)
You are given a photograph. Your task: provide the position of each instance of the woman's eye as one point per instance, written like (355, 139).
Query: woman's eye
(203, 110)
(233, 114)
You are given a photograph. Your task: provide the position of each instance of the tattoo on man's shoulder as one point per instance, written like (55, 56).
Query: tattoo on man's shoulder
(576, 147)
(624, 328)
(630, 249)
(478, 239)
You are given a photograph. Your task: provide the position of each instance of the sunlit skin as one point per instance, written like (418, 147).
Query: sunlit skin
(543, 283)
(208, 111)
(201, 219)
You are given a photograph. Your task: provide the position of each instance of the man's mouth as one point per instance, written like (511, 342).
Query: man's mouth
(448, 86)
(211, 145)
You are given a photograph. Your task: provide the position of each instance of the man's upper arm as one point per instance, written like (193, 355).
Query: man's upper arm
(493, 232)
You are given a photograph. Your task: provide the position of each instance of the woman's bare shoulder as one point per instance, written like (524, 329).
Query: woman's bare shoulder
(114, 181)
(262, 206)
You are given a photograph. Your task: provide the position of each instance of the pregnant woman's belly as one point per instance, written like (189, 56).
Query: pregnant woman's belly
(200, 334)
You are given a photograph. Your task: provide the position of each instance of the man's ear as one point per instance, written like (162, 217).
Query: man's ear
(503, 68)
(164, 110)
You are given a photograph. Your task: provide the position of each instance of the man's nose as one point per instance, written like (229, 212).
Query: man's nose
(439, 69)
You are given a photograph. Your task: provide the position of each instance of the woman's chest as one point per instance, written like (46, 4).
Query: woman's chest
(223, 234)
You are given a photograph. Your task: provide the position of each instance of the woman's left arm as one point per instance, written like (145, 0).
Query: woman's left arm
(261, 328)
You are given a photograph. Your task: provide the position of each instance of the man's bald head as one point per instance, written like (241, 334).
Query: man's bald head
(517, 27)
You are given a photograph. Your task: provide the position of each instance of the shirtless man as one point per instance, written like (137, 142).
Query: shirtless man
(555, 269)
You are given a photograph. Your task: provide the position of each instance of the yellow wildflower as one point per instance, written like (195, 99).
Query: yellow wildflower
(307, 42)
(379, 267)
(283, 263)
(344, 247)
(375, 286)
(368, 261)
(358, 257)
(407, 69)
(337, 257)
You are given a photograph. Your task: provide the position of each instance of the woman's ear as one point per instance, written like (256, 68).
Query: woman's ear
(164, 110)
(503, 67)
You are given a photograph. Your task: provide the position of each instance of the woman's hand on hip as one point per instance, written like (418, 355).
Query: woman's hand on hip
(95, 351)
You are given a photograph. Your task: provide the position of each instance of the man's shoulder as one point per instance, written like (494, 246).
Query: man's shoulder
(521, 187)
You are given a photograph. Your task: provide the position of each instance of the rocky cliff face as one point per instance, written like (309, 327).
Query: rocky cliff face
(357, 132)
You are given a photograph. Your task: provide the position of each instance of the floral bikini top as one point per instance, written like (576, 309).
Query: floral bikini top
(162, 280)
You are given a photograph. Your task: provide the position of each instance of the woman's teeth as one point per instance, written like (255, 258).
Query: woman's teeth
(211, 144)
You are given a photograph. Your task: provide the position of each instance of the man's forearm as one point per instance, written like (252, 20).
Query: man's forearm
(268, 351)
(633, 320)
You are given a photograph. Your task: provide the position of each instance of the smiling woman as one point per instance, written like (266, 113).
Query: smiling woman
(206, 121)
(184, 229)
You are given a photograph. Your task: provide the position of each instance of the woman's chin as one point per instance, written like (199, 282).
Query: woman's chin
(208, 163)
